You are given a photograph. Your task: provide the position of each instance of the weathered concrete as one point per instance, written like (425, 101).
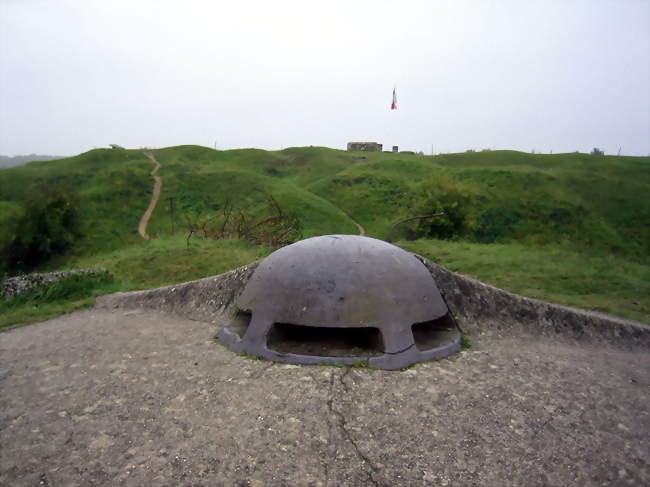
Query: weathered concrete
(477, 307)
(481, 307)
(208, 299)
(136, 397)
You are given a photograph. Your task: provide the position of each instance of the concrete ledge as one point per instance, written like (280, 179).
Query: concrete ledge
(207, 299)
(478, 307)
(388, 361)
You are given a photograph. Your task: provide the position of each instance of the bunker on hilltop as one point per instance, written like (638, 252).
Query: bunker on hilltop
(365, 146)
(342, 299)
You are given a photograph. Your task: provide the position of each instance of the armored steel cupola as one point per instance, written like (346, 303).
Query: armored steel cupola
(342, 299)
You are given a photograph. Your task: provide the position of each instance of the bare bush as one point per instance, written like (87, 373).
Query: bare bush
(272, 226)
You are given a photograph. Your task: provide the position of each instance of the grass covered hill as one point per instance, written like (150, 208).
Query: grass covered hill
(504, 208)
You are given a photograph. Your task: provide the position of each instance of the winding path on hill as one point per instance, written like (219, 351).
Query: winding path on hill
(362, 231)
(157, 185)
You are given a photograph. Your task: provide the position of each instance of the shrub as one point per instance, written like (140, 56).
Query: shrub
(48, 226)
(441, 194)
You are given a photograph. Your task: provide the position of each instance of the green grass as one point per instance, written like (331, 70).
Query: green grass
(596, 281)
(169, 260)
(592, 202)
(114, 186)
(69, 294)
(568, 228)
(142, 265)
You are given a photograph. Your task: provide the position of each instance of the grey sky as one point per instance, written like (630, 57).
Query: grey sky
(548, 75)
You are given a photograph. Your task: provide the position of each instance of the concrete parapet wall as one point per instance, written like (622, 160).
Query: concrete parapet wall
(207, 299)
(480, 307)
(477, 307)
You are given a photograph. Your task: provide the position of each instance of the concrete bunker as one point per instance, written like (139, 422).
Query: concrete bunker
(342, 299)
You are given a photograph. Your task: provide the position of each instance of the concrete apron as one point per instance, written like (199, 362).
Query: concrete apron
(138, 397)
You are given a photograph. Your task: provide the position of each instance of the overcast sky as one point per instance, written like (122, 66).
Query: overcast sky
(553, 75)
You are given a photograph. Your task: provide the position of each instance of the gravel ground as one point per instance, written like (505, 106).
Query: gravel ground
(118, 397)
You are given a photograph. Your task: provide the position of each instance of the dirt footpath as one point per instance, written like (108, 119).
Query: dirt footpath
(141, 398)
(157, 186)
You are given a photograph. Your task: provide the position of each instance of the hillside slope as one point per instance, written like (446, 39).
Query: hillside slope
(597, 202)
(592, 210)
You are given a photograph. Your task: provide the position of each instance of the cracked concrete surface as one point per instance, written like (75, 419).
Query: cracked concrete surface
(368, 467)
(116, 397)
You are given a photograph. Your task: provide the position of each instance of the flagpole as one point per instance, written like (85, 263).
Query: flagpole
(393, 106)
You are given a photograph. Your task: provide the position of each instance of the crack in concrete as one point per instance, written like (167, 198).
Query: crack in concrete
(330, 399)
(343, 425)
(327, 472)
(345, 373)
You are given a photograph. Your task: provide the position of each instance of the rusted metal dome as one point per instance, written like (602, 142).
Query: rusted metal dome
(326, 285)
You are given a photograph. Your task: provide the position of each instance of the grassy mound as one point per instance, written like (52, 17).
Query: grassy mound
(570, 228)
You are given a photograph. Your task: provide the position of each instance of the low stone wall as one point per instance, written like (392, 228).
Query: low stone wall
(14, 286)
(477, 307)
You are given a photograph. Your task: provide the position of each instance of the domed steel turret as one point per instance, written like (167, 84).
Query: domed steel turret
(338, 283)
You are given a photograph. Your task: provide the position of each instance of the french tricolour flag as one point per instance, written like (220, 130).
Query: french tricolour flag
(393, 106)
